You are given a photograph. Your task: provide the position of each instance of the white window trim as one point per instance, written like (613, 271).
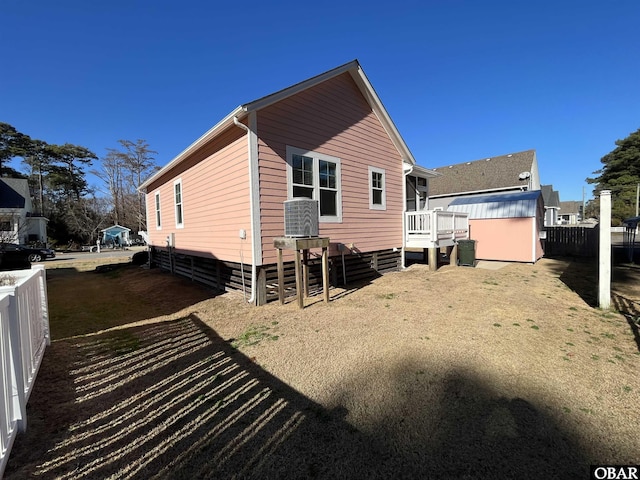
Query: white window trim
(316, 180)
(374, 206)
(157, 209)
(175, 203)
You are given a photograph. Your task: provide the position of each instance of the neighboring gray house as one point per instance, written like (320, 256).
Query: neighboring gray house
(18, 222)
(551, 200)
(570, 212)
(510, 173)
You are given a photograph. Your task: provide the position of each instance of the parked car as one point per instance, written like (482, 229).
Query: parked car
(34, 254)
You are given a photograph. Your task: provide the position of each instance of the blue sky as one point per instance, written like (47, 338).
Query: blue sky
(462, 79)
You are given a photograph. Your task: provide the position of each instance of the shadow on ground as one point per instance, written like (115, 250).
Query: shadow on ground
(174, 400)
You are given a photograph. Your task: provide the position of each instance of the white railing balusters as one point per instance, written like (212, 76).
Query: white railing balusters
(435, 228)
(24, 335)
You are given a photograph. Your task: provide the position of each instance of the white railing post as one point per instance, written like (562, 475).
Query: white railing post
(18, 361)
(8, 422)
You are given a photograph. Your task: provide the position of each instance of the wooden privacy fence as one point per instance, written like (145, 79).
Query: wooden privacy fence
(571, 241)
(24, 335)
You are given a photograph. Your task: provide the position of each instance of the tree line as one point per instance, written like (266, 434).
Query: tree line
(57, 177)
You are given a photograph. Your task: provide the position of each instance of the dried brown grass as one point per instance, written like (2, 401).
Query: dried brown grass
(464, 373)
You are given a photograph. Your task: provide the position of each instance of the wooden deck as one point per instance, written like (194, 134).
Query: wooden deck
(435, 228)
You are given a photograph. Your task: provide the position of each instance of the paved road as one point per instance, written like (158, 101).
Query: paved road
(105, 253)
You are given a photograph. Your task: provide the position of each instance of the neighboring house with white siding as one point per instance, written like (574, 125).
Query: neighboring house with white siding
(19, 223)
(214, 210)
(570, 212)
(551, 200)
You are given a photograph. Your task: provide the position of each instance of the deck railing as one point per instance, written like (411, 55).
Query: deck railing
(24, 335)
(435, 228)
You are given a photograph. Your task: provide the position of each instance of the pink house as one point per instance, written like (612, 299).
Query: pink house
(214, 211)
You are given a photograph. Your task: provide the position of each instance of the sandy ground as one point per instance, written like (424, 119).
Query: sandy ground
(464, 372)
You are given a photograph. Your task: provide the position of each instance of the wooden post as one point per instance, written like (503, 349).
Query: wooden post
(453, 255)
(325, 274)
(260, 285)
(305, 271)
(604, 269)
(433, 259)
(280, 277)
(299, 281)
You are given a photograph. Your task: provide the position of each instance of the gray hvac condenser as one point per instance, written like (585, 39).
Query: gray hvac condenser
(301, 217)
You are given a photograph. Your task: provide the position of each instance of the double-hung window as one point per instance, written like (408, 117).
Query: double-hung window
(158, 213)
(177, 196)
(377, 189)
(316, 176)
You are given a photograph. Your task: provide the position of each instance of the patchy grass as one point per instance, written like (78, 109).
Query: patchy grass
(341, 390)
(253, 336)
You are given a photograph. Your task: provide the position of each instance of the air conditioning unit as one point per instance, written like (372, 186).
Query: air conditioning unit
(301, 217)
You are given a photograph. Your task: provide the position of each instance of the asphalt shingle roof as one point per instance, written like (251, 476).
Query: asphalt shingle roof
(489, 174)
(13, 192)
(550, 196)
(570, 206)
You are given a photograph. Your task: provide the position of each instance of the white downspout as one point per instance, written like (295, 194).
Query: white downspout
(253, 191)
(404, 210)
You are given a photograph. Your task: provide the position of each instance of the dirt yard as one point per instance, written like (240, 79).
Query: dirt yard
(459, 373)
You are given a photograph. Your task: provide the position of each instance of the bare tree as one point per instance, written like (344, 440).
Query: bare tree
(87, 217)
(123, 170)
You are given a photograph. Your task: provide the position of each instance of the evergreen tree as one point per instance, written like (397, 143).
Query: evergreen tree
(12, 144)
(621, 175)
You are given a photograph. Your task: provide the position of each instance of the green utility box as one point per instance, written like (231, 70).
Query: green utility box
(467, 252)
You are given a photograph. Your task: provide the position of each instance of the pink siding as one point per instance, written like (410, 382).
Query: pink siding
(216, 203)
(506, 239)
(332, 118)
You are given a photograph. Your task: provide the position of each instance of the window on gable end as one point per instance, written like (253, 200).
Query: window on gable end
(377, 189)
(316, 176)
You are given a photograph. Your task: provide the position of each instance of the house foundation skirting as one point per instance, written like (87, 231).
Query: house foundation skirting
(227, 276)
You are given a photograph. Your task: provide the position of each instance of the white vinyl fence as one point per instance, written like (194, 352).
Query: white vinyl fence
(24, 335)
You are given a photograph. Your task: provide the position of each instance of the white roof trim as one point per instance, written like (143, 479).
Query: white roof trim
(209, 135)
(424, 172)
(472, 192)
(359, 78)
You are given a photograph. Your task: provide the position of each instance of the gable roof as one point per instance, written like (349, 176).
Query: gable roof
(116, 227)
(570, 206)
(550, 196)
(485, 175)
(509, 205)
(240, 112)
(13, 192)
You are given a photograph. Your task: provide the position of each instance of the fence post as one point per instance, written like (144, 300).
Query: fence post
(15, 336)
(604, 269)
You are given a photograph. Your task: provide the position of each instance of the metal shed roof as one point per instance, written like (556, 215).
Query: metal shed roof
(509, 205)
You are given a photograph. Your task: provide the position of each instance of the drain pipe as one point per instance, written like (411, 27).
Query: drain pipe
(404, 209)
(254, 252)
